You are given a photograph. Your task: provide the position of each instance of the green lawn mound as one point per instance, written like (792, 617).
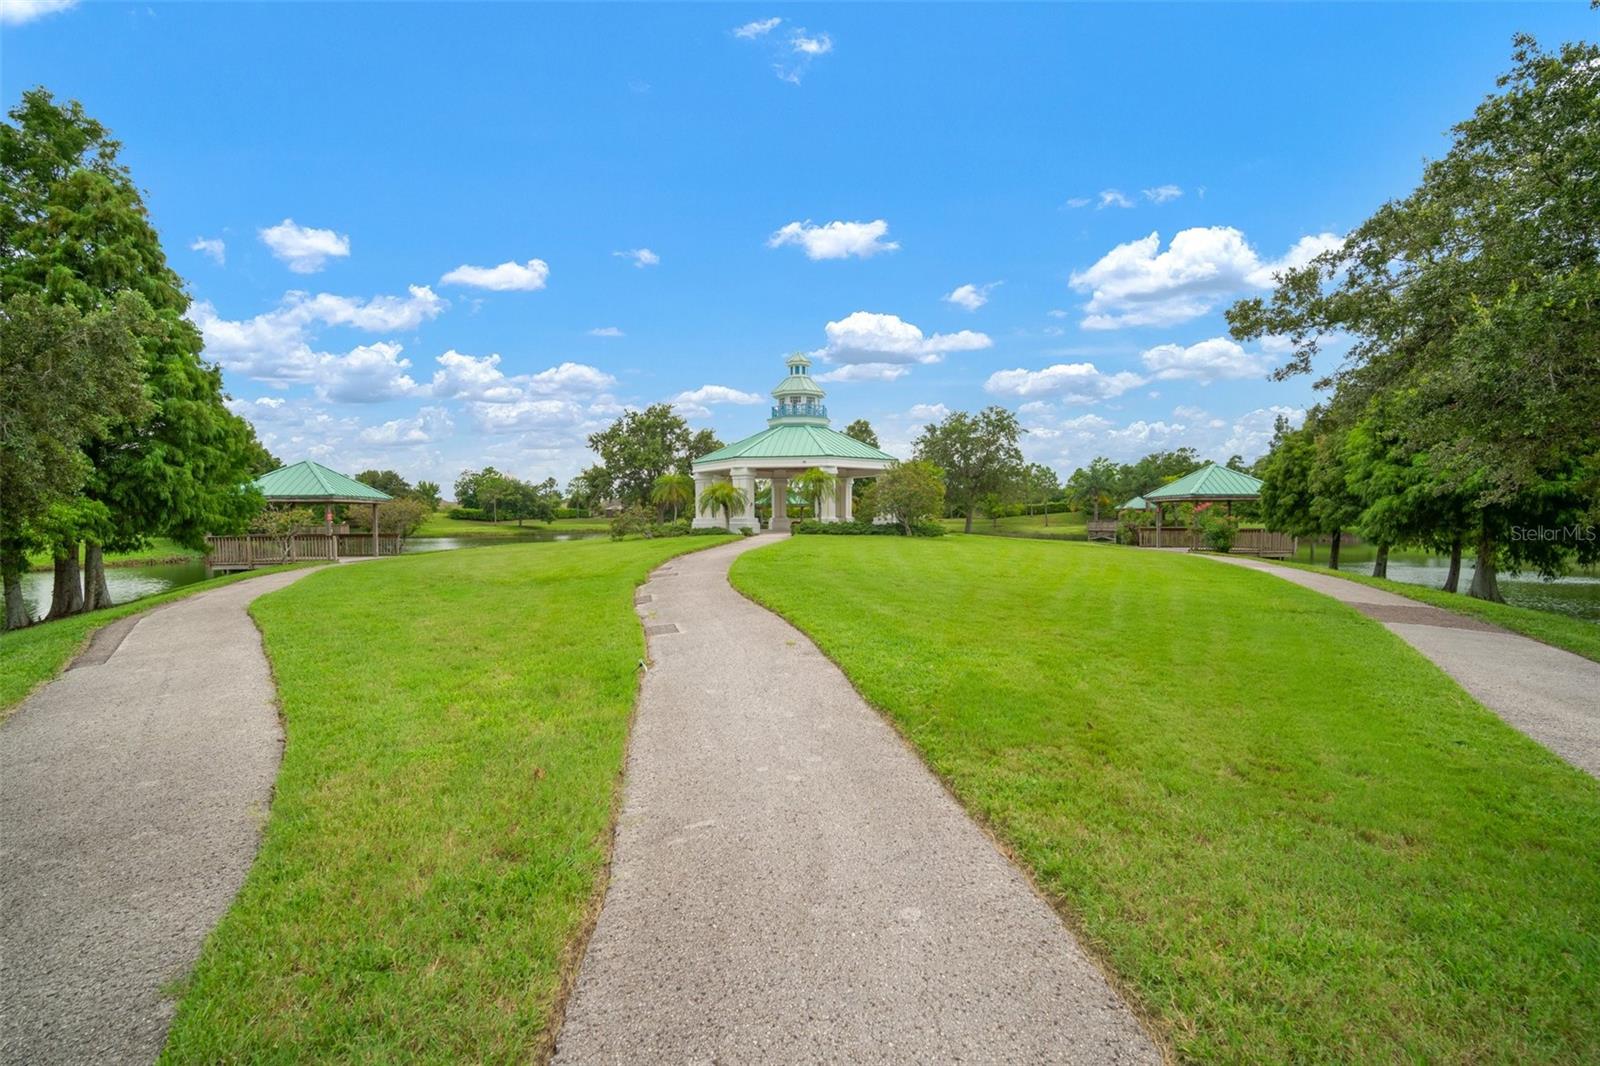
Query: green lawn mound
(1290, 836)
(455, 728)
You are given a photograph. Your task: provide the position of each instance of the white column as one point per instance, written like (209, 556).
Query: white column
(830, 502)
(745, 481)
(847, 497)
(780, 505)
(711, 519)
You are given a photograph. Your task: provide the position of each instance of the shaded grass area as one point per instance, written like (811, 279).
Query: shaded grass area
(1068, 525)
(30, 657)
(159, 550)
(440, 525)
(1574, 634)
(1289, 836)
(455, 727)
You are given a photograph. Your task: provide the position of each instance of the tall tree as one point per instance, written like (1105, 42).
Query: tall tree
(75, 231)
(66, 378)
(641, 446)
(703, 442)
(907, 493)
(978, 453)
(427, 493)
(673, 491)
(1474, 302)
(1093, 486)
(862, 431)
(813, 485)
(386, 481)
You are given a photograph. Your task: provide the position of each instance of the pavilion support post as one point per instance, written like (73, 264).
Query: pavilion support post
(830, 502)
(704, 519)
(780, 505)
(745, 481)
(847, 498)
(374, 531)
(1161, 520)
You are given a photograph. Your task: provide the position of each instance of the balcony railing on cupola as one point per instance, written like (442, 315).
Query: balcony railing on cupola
(800, 410)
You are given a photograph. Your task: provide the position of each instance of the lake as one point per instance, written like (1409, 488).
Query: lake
(134, 582)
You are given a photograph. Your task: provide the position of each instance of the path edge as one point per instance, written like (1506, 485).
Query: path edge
(577, 947)
(1151, 1024)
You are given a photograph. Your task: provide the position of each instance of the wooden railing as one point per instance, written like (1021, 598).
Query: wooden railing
(1248, 541)
(1104, 529)
(250, 550)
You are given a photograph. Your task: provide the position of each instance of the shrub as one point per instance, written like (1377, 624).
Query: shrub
(468, 514)
(746, 531)
(922, 527)
(708, 531)
(1216, 529)
(634, 522)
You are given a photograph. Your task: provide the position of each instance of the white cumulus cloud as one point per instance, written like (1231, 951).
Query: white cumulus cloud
(303, 249)
(758, 28)
(836, 240)
(1113, 198)
(887, 344)
(1066, 382)
(507, 277)
(970, 296)
(1162, 194)
(642, 257)
(212, 247)
(16, 12)
(1209, 360)
(1141, 284)
(428, 425)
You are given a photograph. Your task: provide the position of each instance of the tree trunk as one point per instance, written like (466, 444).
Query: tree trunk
(17, 615)
(1452, 579)
(968, 517)
(1380, 565)
(1333, 550)
(96, 593)
(1485, 582)
(66, 595)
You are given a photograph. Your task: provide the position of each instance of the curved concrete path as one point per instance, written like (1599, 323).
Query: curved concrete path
(791, 884)
(132, 794)
(1551, 695)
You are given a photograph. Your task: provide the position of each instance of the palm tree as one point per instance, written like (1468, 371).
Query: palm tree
(674, 491)
(723, 496)
(813, 485)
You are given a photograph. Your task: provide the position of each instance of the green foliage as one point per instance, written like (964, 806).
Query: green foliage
(1235, 787)
(428, 493)
(1217, 529)
(385, 481)
(862, 431)
(672, 491)
(908, 494)
(922, 527)
(723, 496)
(814, 485)
(979, 455)
(641, 446)
(401, 517)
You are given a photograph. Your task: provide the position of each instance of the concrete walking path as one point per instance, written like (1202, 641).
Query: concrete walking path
(1551, 695)
(791, 884)
(133, 790)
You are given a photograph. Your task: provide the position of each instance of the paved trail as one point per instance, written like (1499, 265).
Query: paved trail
(1551, 695)
(791, 884)
(132, 794)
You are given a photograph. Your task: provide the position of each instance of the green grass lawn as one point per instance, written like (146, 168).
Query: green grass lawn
(455, 730)
(1288, 835)
(440, 525)
(30, 657)
(159, 550)
(1070, 525)
(1576, 635)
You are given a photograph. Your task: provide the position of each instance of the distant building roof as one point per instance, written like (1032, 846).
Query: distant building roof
(307, 482)
(1210, 482)
(1135, 504)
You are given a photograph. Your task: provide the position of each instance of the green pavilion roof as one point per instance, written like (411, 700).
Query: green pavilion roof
(308, 481)
(797, 442)
(1135, 504)
(1210, 482)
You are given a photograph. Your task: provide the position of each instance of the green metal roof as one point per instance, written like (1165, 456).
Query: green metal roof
(309, 481)
(798, 385)
(797, 442)
(1210, 482)
(1135, 504)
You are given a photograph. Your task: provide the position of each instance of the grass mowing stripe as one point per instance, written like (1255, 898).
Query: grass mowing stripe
(30, 657)
(1287, 833)
(1576, 635)
(455, 725)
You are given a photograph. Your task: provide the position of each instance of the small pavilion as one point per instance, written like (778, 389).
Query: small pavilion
(1210, 484)
(798, 437)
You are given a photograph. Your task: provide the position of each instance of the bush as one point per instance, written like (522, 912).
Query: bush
(1217, 530)
(920, 528)
(468, 514)
(708, 531)
(634, 522)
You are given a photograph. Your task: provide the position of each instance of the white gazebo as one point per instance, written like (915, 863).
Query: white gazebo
(797, 438)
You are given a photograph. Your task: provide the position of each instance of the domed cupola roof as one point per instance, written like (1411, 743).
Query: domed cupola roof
(798, 397)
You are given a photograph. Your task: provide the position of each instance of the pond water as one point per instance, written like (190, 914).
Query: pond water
(134, 582)
(1576, 594)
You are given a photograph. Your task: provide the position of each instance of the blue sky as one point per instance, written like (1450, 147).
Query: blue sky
(432, 237)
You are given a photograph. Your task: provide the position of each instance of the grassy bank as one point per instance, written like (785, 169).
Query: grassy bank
(455, 726)
(439, 525)
(30, 657)
(1574, 634)
(159, 550)
(1289, 836)
(1070, 525)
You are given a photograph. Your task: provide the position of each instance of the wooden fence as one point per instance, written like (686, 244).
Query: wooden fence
(250, 550)
(1104, 529)
(1248, 542)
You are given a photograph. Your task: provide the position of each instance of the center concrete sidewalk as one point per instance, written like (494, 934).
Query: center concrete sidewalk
(791, 884)
(1551, 695)
(132, 794)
